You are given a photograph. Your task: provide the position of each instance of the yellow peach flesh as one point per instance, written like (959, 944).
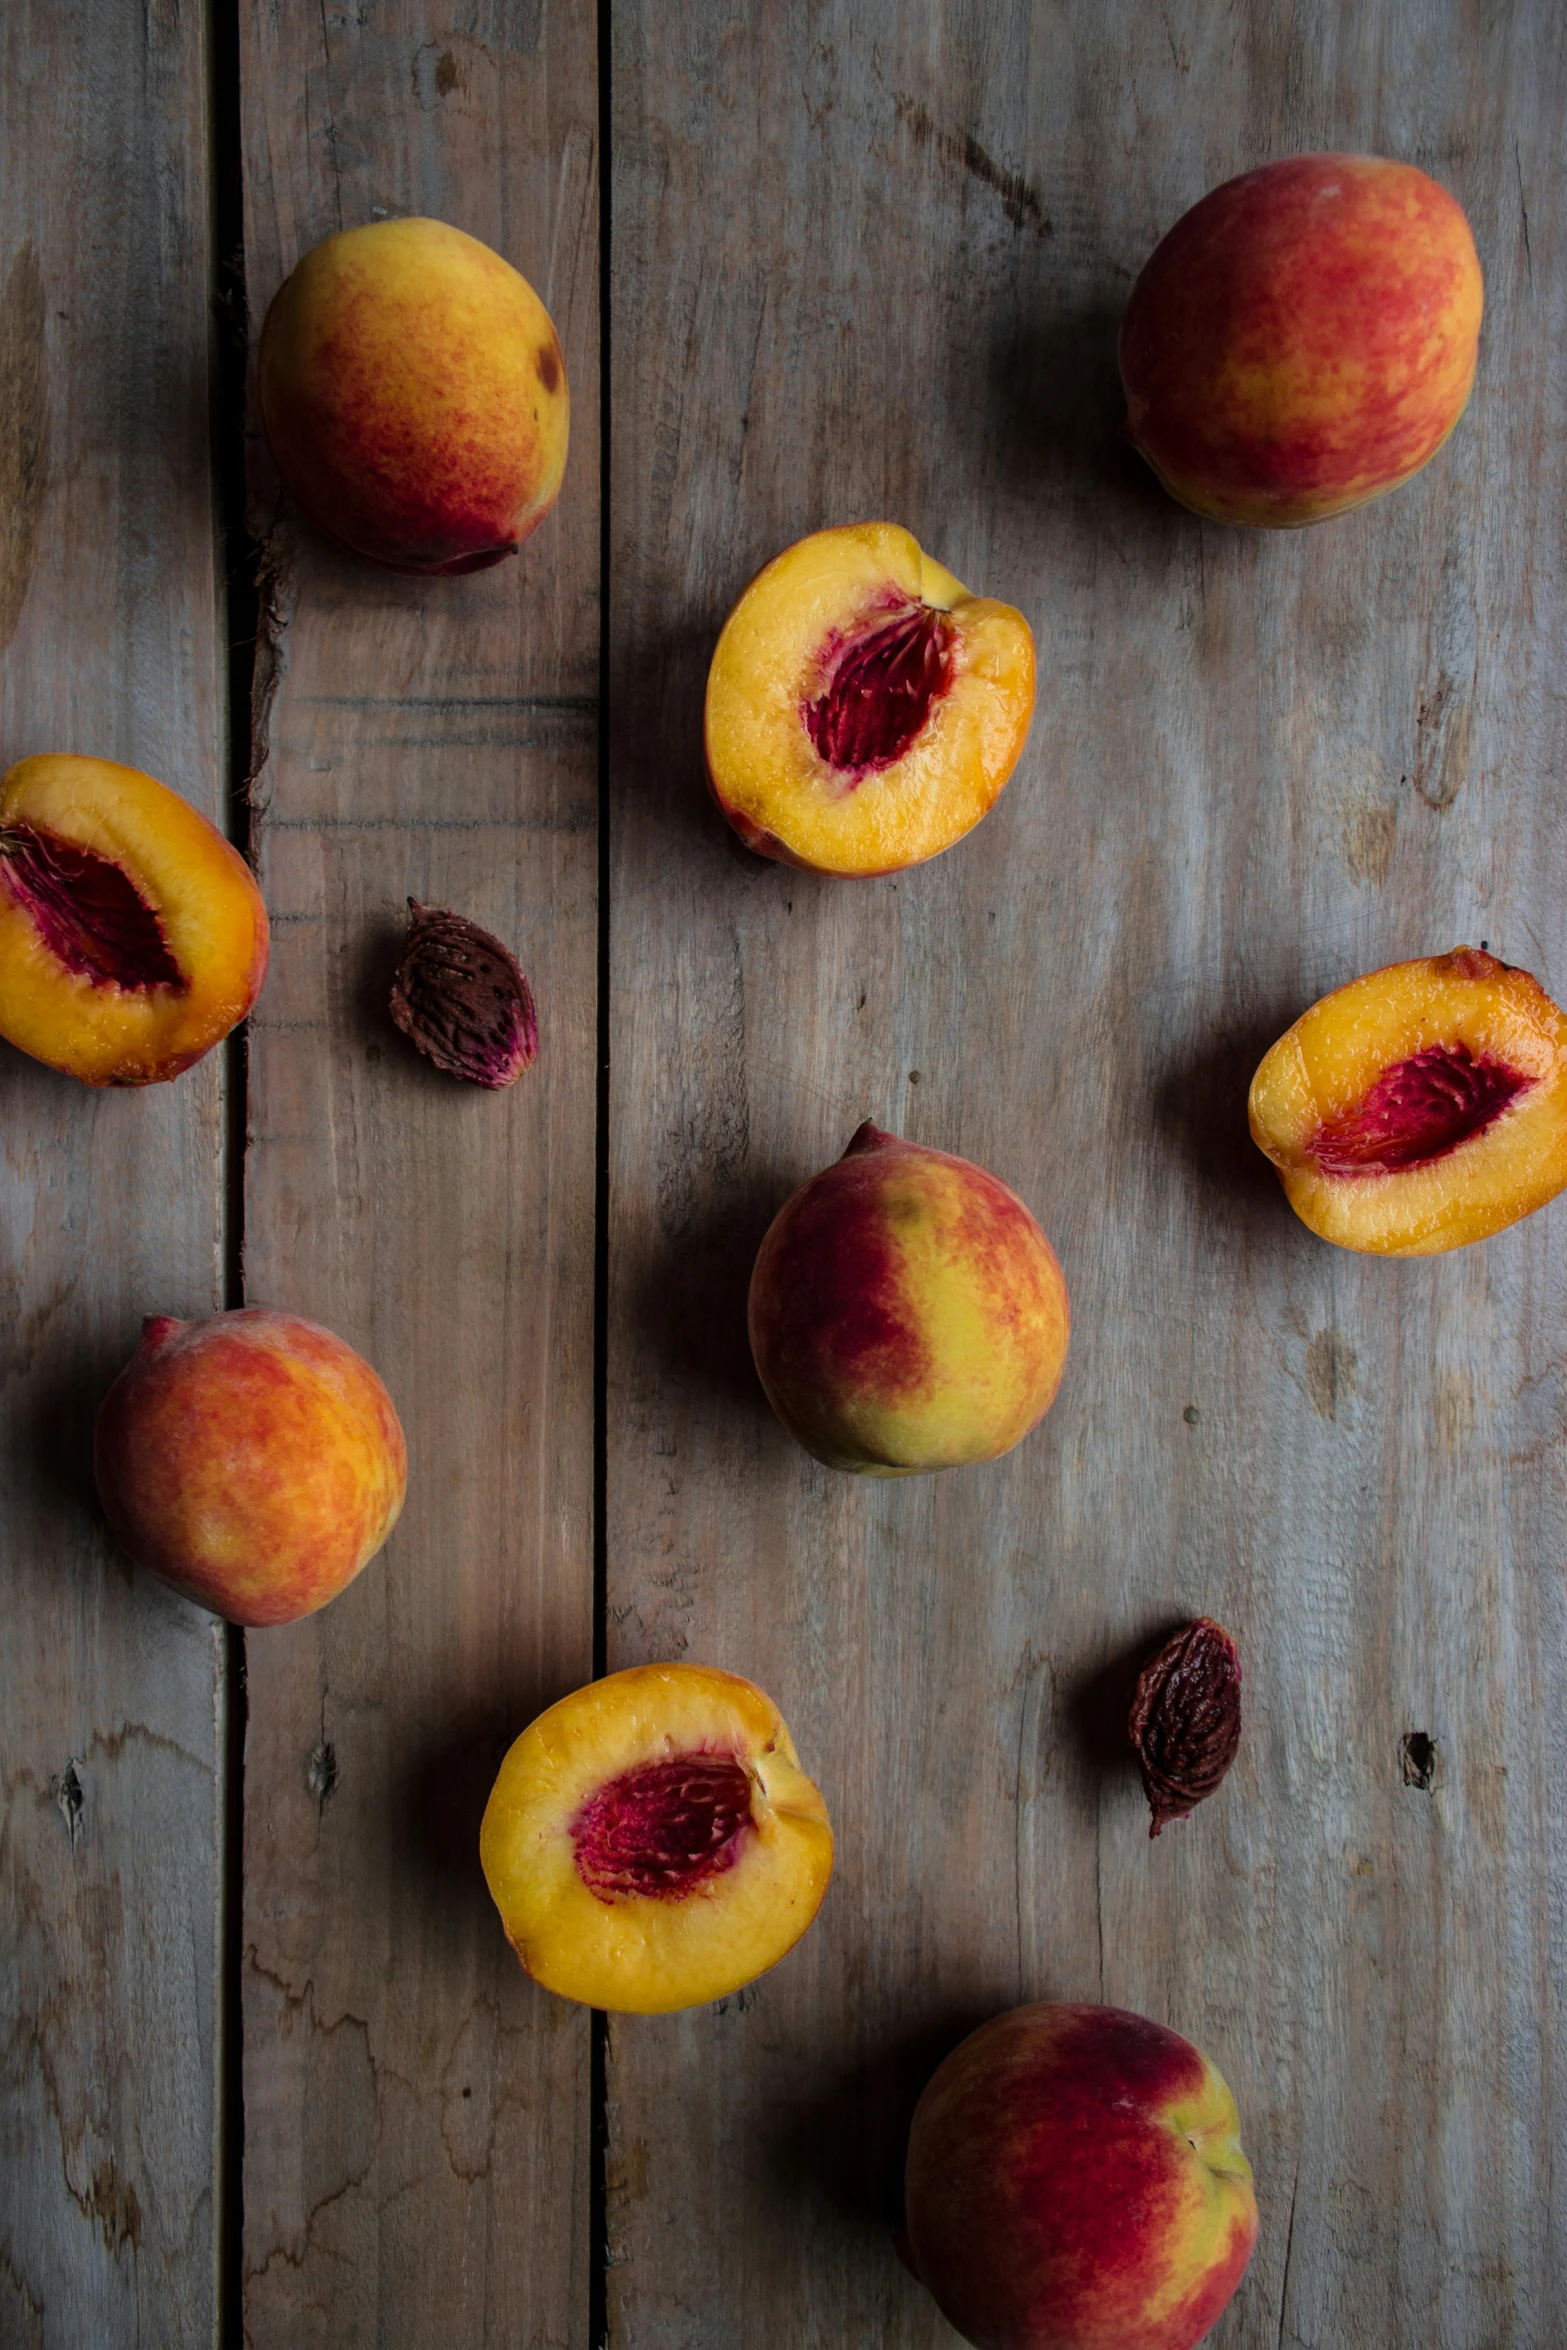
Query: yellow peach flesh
(198, 888)
(630, 1951)
(1330, 1060)
(766, 773)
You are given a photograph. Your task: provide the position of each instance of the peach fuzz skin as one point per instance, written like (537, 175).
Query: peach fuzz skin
(132, 935)
(652, 1843)
(413, 393)
(1420, 1107)
(863, 710)
(1303, 339)
(1075, 2181)
(252, 1459)
(906, 1312)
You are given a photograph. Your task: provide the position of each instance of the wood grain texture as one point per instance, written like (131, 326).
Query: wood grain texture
(112, 1691)
(416, 2115)
(869, 261)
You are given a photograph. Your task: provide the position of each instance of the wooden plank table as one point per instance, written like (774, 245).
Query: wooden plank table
(114, 1694)
(270, 2074)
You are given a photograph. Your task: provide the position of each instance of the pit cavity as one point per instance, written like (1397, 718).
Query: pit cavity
(881, 684)
(663, 1828)
(1418, 1111)
(89, 914)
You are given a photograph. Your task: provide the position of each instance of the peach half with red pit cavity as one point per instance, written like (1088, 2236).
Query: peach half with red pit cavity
(132, 935)
(863, 709)
(1075, 2181)
(651, 1841)
(413, 393)
(906, 1312)
(1420, 1107)
(1303, 339)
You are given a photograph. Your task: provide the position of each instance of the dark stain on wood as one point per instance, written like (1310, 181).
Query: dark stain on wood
(24, 432)
(434, 75)
(1370, 837)
(1330, 1373)
(963, 152)
(1442, 728)
(113, 2203)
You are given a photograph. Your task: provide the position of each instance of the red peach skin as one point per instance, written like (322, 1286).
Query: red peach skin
(252, 1459)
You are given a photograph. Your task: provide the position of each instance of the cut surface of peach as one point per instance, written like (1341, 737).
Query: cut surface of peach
(864, 711)
(651, 1841)
(1419, 1108)
(132, 935)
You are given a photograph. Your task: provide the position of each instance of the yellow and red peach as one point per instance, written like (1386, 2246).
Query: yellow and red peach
(251, 1459)
(652, 1843)
(906, 1312)
(1420, 1107)
(864, 711)
(1303, 339)
(132, 936)
(413, 393)
(1075, 2181)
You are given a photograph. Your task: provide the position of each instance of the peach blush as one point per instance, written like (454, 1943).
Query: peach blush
(132, 936)
(1420, 1107)
(413, 393)
(1303, 339)
(651, 1842)
(252, 1459)
(864, 711)
(1075, 2181)
(906, 1312)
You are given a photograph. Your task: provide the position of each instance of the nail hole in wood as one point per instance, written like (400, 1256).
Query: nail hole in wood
(321, 1773)
(69, 1799)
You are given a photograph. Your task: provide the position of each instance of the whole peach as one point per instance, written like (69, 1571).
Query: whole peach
(413, 394)
(251, 1459)
(1075, 2181)
(906, 1312)
(1303, 339)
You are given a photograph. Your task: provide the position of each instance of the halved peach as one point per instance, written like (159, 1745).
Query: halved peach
(652, 1842)
(863, 709)
(1419, 1108)
(132, 936)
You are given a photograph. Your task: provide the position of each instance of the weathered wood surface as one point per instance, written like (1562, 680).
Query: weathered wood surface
(112, 1691)
(868, 260)
(416, 2115)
